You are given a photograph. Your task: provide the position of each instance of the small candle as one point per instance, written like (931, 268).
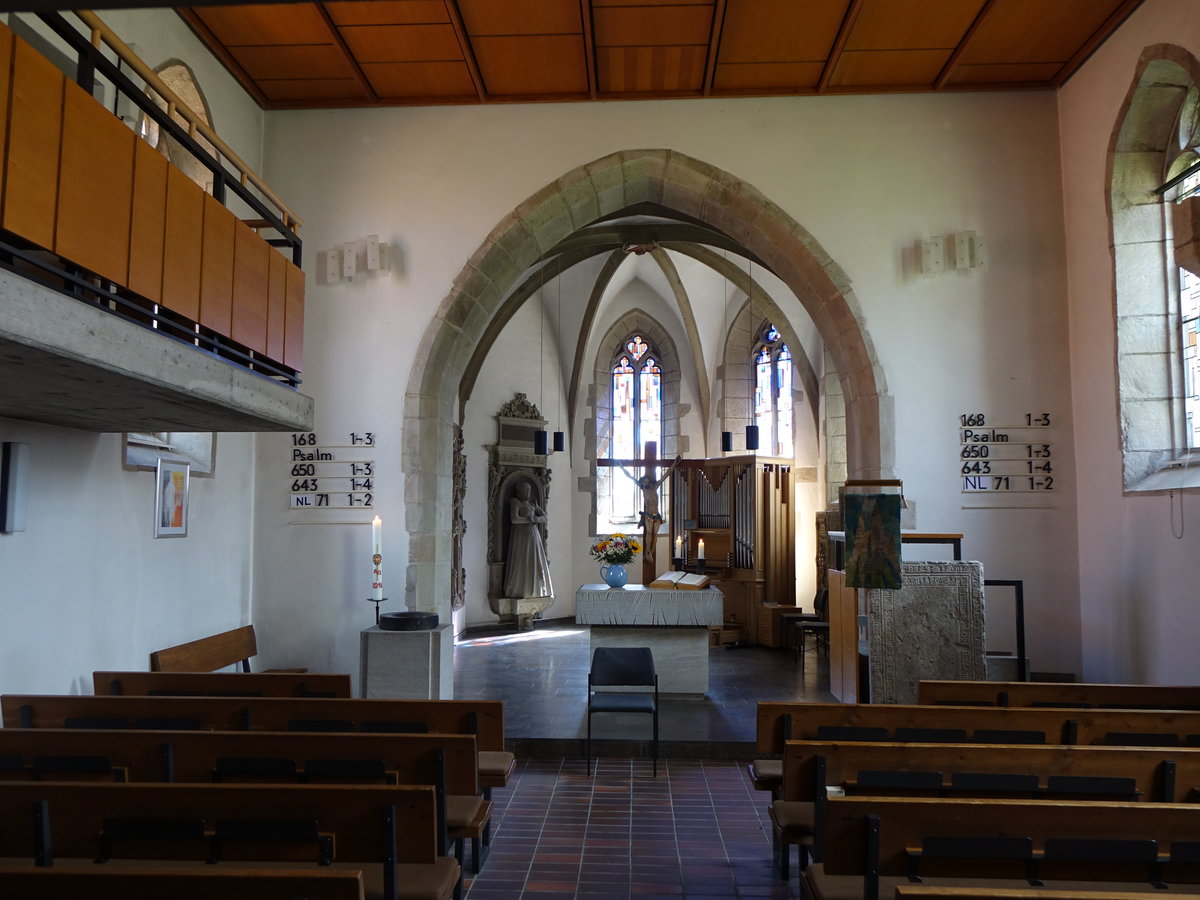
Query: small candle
(377, 559)
(700, 549)
(679, 547)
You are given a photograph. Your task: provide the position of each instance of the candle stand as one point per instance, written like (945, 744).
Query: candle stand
(377, 602)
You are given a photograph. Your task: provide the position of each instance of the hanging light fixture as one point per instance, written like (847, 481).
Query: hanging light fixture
(726, 436)
(540, 438)
(560, 438)
(752, 429)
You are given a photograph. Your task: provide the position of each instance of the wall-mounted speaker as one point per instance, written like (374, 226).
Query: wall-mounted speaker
(14, 485)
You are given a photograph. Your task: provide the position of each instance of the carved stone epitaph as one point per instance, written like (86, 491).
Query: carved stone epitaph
(511, 463)
(931, 628)
(458, 575)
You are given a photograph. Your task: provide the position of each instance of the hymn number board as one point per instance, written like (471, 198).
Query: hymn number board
(1012, 458)
(332, 475)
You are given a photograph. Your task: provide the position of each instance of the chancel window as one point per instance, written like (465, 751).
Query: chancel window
(636, 419)
(773, 393)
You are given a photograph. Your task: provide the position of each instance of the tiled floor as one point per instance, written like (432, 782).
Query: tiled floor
(697, 830)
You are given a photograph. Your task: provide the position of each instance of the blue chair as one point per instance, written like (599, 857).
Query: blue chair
(622, 667)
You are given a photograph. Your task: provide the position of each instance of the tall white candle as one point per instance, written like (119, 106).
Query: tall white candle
(700, 549)
(377, 559)
(679, 547)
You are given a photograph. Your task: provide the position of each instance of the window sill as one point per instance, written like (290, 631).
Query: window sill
(1184, 475)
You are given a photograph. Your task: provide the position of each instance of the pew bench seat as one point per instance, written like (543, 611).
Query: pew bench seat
(823, 886)
(495, 768)
(185, 882)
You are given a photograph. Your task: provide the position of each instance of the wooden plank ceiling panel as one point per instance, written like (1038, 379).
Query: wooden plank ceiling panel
(779, 30)
(264, 23)
(1033, 31)
(314, 91)
(924, 24)
(422, 82)
(535, 65)
(478, 51)
(768, 77)
(304, 62)
(640, 26)
(888, 69)
(650, 70)
(387, 12)
(1009, 75)
(487, 17)
(402, 43)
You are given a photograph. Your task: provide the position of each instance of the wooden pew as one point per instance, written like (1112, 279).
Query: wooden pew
(447, 761)
(207, 654)
(389, 833)
(1062, 694)
(110, 882)
(812, 768)
(221, 684)
(876, 844)
(779, 722)
(483, 718)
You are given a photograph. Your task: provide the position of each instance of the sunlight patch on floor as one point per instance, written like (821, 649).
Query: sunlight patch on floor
(522, 637)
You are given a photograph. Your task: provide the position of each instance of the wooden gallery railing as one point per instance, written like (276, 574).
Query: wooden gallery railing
(131, 232)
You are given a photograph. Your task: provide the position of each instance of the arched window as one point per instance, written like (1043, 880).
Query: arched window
(1156, 141)
(1189, 318)
(773, 393)
(636, 419)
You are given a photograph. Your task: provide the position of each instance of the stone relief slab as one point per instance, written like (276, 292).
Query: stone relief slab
(932, 628)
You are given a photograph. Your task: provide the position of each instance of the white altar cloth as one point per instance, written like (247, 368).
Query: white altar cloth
(672, 623)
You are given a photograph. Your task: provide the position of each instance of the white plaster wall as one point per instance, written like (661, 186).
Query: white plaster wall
(1137, 580)
(867, 176)
(86, 586)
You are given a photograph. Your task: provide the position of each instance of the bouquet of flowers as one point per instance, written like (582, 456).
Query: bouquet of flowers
(616, 548)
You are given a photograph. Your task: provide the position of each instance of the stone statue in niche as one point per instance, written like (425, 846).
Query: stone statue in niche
(519, 588)
(527, 571)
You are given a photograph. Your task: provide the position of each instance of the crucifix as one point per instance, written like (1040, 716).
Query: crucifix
(649, 516)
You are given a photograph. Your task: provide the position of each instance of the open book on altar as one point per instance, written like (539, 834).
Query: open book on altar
(684, 581)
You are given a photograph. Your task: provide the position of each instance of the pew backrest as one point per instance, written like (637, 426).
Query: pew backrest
(368, 824)
(779, 722)
(221, 684)
(207, 654)
(193, 756)
(483, 718)
(902, 837)
(1152, 774)
(1058, 694)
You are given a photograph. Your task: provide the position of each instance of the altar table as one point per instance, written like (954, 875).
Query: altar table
(673, 623)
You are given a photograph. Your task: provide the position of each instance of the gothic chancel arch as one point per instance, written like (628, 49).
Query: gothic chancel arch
(584, 196)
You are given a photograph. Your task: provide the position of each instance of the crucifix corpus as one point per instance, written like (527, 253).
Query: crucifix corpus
(649, 517)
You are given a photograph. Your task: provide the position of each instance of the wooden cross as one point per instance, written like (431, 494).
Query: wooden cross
(651, 518)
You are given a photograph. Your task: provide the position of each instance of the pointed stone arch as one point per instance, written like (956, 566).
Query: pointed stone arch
(604, 188)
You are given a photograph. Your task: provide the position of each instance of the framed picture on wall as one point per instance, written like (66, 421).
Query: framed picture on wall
(171, 498)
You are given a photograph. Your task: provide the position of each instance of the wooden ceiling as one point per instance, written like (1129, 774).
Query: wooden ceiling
(408, 52)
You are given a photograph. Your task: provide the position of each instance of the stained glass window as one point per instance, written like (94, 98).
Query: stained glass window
(636, 419)
(773, 393)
